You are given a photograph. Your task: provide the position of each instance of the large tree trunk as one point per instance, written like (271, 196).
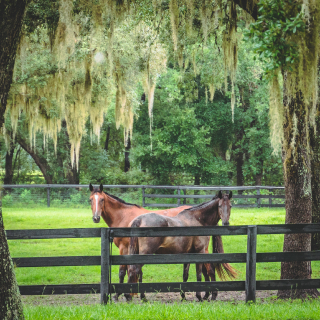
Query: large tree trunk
(297, 177)
(10, 300)
(11, 16)
(315, 179)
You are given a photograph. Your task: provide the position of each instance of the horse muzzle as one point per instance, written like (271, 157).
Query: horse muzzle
(225, 223)
(96, 219)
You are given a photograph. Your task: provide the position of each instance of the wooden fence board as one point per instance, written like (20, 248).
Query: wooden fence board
(288, 284)
(179, 258)
(177, 231)
(53, 233)
(288, 256)
(60, 289)
(57, 261)
(177, 287)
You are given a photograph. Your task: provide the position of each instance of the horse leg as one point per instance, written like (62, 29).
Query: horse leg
(206, 279)
(122, 273)
(210, 269)
(186, 267)
(199, 274)
(133, 271)
(142, 294)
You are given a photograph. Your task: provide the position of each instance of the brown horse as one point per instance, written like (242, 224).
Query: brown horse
(118, 213)
(205, 214)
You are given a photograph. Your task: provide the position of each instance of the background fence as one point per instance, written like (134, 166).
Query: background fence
(106, 287)
(146, 195)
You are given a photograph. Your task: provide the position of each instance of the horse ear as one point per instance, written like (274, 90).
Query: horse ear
(230, 195)
(90, 187)
(220, 194)
(101, 187)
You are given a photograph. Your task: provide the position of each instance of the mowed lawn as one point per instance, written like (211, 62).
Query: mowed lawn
(56, 218)
(47, 218)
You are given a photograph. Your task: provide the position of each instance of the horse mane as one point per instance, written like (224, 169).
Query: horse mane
(199, 206)
(116, 198)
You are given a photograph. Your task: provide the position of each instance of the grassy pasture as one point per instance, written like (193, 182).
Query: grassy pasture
(42, 218)
(50, 218)
(156, 311)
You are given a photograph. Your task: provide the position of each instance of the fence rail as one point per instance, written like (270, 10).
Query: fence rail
(180, 193)
(106, 260)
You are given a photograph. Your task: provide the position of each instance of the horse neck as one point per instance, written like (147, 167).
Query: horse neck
(112, 212)
(208, 215)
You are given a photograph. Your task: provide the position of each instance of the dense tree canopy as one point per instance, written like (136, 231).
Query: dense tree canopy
(108, 52)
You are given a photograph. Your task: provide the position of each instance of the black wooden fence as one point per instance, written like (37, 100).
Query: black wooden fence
(270, 193)
(105, 288)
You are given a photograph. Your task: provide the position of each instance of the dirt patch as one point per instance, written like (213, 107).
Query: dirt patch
(171, 297)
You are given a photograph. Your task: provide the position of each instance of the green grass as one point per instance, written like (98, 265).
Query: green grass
(217, 310)
(42, 218)
(51, 218)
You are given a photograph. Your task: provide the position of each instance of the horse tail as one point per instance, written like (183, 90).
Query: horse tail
(134, 242)
(224, 270)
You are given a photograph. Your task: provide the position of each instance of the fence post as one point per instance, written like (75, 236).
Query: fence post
(105, 264)
(48, 197)
(143, 197)
(184, 199)
(251, 264)
(179, 200)
(258, 198)
(270, 199)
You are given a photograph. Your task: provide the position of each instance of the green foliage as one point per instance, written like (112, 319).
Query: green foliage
(272, 31)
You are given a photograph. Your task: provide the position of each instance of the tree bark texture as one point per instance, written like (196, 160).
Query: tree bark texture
(9, 166)
(10, 300)
(297, 177)
(315, 179)
(11, 17)
(126, 156)
(40, 161)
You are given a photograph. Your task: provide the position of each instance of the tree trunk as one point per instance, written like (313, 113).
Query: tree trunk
(40, 161)
(259, 174)
(106, 144)
(297, 177)
(315, 179)
(11, 17)
(126, 156)
(10, 300)
(240, 178)
(9, 166)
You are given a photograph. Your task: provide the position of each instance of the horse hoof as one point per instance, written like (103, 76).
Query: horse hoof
(214, 297)
(128, 297)
(206, 297)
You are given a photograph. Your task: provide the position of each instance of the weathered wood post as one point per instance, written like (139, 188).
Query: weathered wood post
(184, 199)
(48, 197)
(179, 199)
(143, 197)
(105, 264)
(258, 198)
(270, 199)
(251, 264)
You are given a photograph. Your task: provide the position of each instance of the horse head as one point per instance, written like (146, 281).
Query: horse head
(97, 202)
(224, 207)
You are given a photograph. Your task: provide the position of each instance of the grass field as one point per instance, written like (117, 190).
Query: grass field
(49, 218)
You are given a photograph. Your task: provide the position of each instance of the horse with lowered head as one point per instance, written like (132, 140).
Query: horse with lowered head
(205, 214)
